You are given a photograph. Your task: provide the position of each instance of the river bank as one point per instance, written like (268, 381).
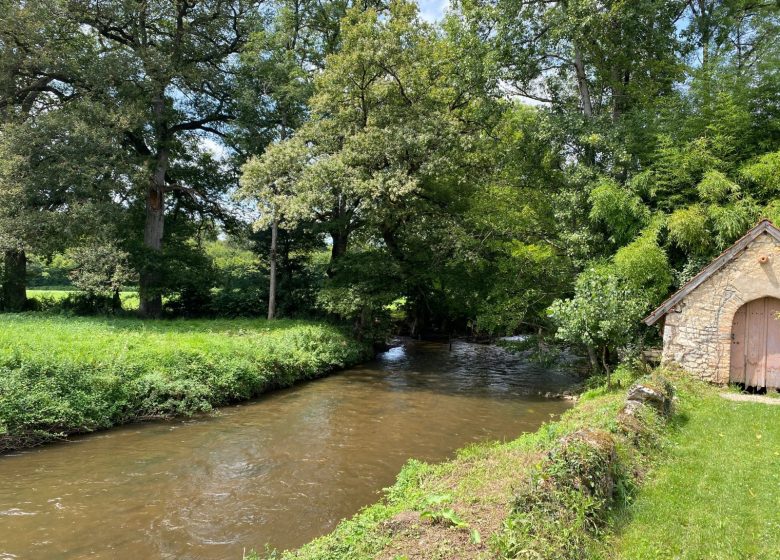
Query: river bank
(62, 376)
(279, 470)
(548, 494)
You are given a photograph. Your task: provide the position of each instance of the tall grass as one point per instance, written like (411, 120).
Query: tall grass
(61, 375)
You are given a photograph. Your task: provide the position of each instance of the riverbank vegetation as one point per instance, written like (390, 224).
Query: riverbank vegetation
(507, 168)
(543, 495)
(65, 375)
(598, 483)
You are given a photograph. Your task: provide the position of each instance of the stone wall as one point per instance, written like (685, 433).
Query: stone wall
(697, 332)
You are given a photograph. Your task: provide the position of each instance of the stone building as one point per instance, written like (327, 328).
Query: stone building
(723, 326)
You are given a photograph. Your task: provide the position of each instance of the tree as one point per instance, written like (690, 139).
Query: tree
(278, 68)
(390, 112)
(602, 315)
(39, 50)
(167, 70)
(101, 269)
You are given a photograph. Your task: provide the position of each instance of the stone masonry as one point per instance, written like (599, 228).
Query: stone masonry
(697, 331)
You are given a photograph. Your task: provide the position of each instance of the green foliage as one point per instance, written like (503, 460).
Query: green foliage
(716, 187)
(611, 298)
(603, 315)
(644, 268)
(435, 511)
(688, 228)
(764, 172)
(364, 290)
(68, 375)
(241, 281)
(101, 269)
(526, 279)
(622, 211)
(367, 127)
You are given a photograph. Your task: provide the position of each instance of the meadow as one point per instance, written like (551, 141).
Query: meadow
(64, 375)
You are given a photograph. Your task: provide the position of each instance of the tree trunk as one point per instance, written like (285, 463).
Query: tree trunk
(582, 84)
(604, 361)
(272, 271)
(339, 249)
(594, 362)
(116, 302)
(14, 281)
(150, 294)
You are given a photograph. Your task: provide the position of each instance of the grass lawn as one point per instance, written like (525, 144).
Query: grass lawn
(715, 493)
(61, 375)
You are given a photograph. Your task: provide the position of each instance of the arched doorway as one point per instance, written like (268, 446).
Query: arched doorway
(755, 344)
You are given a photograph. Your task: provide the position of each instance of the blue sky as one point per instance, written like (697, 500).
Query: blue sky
(432, 9)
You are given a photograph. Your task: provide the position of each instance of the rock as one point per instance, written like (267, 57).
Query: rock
(656, 392)
(583, 461)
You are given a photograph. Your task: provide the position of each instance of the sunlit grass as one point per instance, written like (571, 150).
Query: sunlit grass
(54, 294)
(715, 494)
(62, 375)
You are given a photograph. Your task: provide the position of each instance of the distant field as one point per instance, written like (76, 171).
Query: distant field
(57, 293)
(61, 375)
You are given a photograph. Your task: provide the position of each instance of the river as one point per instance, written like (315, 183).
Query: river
(280, 470)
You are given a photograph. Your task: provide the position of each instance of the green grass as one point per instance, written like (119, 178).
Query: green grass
(457, 507)
(61, 375)
(716, 492)
(49, 296)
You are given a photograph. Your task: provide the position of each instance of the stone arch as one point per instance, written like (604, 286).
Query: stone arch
(726, 312)
(726, 316)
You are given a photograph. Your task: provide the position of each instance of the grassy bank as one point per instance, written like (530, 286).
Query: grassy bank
(510, 500)
(716, 492)
(60, 375)
(702, 483)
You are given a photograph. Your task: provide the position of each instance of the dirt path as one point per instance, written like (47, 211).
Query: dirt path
(750, 398)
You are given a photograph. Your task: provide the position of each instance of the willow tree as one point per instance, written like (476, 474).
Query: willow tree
(167, 69)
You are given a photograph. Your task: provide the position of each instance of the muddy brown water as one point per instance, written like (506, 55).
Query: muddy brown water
(281, 470)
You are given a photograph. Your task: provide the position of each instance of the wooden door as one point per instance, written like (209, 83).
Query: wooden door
(755, 344)
(772, 343)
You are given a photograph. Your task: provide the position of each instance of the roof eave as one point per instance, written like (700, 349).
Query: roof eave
(764, 226)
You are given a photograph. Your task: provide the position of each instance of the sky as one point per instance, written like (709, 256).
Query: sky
(432, 10)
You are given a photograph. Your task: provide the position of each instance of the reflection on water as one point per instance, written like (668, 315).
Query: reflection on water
(281, 470)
